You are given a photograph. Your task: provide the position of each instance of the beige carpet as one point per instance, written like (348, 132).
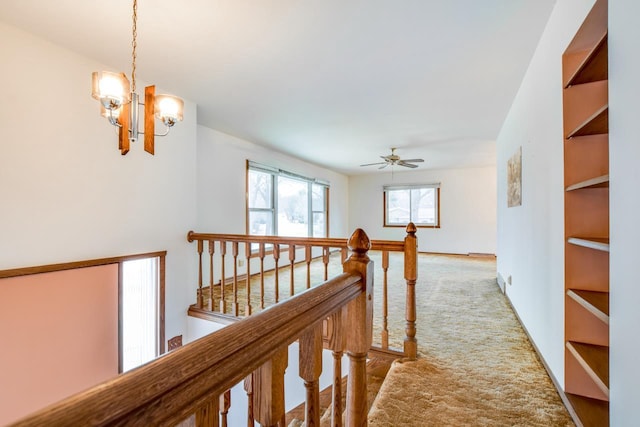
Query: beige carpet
(476, 367)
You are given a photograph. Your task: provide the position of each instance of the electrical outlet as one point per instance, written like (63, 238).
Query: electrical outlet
(241, 263)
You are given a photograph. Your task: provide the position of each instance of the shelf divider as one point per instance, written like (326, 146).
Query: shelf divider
(597, 303)
(597, 243)
(594, 66)
(595, 124)
(594, 359)
(597, 182)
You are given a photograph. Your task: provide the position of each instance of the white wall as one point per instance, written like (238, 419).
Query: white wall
(624, 156)
(467, 209)
(531, 236)
(222, 175)
(66, 193)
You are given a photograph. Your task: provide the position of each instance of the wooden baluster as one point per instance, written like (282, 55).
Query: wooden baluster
(276, 258)
(410, 276)
(343, 255)
(223, 301)
(248, 388)
(268, 390)
(325, 260)
(211, 298)
(261, 255)
(310, 370)
(247, 253)
(307, 259)
(336, 337)
(292, 258)
(385, 296)
(234, 253)
(359, 331)
(207, 416)
(225, 405)
(200, 296)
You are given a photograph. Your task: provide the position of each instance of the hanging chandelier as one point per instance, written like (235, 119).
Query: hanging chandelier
(120, 102)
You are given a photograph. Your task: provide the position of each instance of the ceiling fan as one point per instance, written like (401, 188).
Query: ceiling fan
(394, 160)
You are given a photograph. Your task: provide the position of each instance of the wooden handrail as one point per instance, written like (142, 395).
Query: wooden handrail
(174, 386)
(376, 245)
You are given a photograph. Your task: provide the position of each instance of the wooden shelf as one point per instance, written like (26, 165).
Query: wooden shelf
(594, 359)
(594, 67)
(597, 243)
(597, 182)
(597, 303)
(592, 412)
(597, 123)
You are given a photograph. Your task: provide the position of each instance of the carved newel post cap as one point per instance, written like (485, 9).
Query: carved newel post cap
(359, 242)
(411, 228)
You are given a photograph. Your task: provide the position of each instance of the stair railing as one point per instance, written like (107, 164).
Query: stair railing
(195, 379)
(230, 266)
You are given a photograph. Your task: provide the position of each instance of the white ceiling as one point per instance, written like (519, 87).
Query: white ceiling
(333, 82)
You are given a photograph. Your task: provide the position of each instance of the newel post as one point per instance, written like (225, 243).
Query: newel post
(359, 329)
(410, 276)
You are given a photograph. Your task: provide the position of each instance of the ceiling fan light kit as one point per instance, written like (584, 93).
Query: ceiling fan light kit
(394, 160)
(119, 102)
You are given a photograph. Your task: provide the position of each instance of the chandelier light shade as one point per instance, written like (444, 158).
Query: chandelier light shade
(119, 103)
(169, 109)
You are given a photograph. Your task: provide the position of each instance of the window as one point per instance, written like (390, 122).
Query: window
(419, 204)
(281, 203)
(142, 302)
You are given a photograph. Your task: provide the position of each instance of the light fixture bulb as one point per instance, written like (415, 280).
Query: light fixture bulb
(111, 89)
(169, 109)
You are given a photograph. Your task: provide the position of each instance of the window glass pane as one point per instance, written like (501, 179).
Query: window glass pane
(293, 207)
(398, 206)
(139, 312)
(261, 223)
(423, 207)
(317, 197)
(319, 225)
(259, 190)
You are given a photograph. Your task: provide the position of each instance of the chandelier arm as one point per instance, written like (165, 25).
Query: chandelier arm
(113, 120)
(158, 134)
(163, 134)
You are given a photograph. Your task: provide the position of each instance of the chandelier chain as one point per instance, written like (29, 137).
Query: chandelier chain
(134, 45)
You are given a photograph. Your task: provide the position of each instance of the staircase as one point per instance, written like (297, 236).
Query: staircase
(377, 368)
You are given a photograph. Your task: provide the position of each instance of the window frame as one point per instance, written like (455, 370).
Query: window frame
(387, 188)
(275, 174)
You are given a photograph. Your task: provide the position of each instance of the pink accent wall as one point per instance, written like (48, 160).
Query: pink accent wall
(58, 334)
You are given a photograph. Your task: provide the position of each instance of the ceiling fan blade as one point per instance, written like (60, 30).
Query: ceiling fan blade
(384, 166)
(372, 164)
(413, 160)
(407, 165)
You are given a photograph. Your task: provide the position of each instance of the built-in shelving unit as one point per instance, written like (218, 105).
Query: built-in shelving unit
(586, 178)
